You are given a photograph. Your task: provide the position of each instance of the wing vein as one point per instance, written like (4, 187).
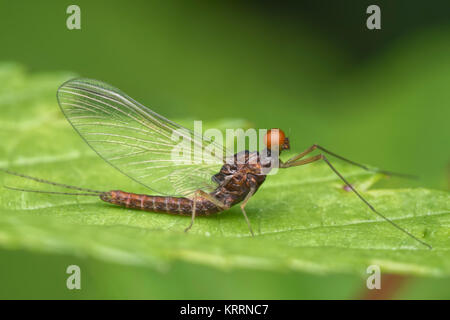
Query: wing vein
(137, 141)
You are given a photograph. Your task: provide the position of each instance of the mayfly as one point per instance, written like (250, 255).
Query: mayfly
(138, 142)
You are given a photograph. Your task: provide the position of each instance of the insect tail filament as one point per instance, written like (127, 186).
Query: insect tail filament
(87, 192)
(53, 192)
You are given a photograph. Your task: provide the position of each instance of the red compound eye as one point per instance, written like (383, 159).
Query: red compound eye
(274, 137)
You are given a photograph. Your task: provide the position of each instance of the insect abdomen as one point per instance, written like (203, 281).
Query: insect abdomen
(174, 205)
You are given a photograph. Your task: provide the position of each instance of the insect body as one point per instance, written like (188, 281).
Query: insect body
(237, 182)
(140, 143)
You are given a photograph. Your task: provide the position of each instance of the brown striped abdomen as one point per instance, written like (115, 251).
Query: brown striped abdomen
(173, 205)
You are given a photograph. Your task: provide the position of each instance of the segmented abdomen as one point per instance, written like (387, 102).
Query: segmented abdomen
(174, 205)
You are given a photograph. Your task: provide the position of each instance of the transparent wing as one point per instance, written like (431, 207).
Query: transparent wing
(150, 149)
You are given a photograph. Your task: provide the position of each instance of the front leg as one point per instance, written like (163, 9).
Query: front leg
(326, 151)
(322, 157)
(302, 154)
(289, 163)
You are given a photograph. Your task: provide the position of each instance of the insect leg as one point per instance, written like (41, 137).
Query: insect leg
(289, 164)
(322, 157)
(302, 154)
(316, 146)
(243, 204)
(214, 200)
(193, 212)
(208, 197)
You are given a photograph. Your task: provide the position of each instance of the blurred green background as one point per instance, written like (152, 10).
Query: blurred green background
(311, 68)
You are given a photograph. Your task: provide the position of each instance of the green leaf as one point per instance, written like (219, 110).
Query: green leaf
(303, 218)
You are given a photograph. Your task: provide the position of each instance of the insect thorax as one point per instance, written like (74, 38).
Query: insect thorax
(238, 175)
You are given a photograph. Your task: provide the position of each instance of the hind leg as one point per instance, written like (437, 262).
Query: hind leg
(208, 197)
